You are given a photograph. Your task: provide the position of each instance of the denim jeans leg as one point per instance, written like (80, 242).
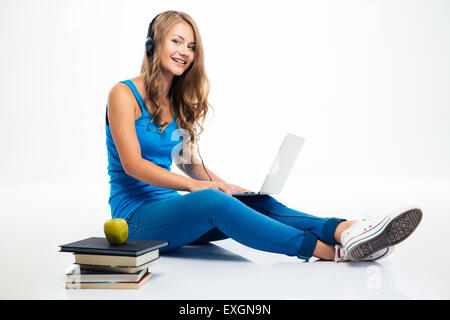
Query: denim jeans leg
(323, 228)
(182, 220)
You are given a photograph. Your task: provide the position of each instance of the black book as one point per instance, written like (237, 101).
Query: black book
(101, 246)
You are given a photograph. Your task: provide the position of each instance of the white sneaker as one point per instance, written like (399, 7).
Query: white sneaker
(371, 234)
(341, 256)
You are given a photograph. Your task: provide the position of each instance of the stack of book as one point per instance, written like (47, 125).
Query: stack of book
(100, 265)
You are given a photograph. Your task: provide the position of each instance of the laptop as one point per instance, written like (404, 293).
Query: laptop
(281, 167)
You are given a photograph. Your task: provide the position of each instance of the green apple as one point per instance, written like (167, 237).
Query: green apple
(116, 230)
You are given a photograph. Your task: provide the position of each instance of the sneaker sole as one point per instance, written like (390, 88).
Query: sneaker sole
(394, 232)
(387, 251)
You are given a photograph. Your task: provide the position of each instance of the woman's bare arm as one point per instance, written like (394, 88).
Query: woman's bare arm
(196, 171)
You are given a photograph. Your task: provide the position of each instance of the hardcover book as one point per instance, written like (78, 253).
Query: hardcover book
(99, 245)
(117, 261)
(126, 269)
(78, 274)
(109, 285)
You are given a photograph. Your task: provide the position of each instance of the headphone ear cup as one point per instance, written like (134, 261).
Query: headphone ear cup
(149, 41)
(149, 44)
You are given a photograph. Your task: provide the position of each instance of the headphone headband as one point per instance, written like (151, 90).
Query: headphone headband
(149, 41)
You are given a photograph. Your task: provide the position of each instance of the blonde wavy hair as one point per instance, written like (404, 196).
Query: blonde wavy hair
(188, 93)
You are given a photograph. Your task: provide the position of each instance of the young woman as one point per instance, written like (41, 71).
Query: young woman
(145, 116)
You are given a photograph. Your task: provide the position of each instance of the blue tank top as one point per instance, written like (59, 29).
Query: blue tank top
(126, 192)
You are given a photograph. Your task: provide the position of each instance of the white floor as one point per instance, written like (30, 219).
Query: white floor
(39, 216)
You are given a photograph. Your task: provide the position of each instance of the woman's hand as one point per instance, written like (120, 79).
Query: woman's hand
(228, 188)
(200, 185)
(234, 188)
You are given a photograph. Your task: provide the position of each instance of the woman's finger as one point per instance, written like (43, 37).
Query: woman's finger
(225, 188)
(243, 189)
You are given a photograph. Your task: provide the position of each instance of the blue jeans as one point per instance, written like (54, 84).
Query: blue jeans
(259, 222)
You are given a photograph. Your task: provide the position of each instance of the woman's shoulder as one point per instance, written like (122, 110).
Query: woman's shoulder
(137, 82)
(120, 84)
(119, 91)
(123, 89)
(120, 96)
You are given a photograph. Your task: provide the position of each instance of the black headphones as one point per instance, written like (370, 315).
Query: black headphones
(149, 41)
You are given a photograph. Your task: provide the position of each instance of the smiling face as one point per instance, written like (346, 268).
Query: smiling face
(178, 49)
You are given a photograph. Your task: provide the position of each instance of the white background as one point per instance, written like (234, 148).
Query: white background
(365, 82)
